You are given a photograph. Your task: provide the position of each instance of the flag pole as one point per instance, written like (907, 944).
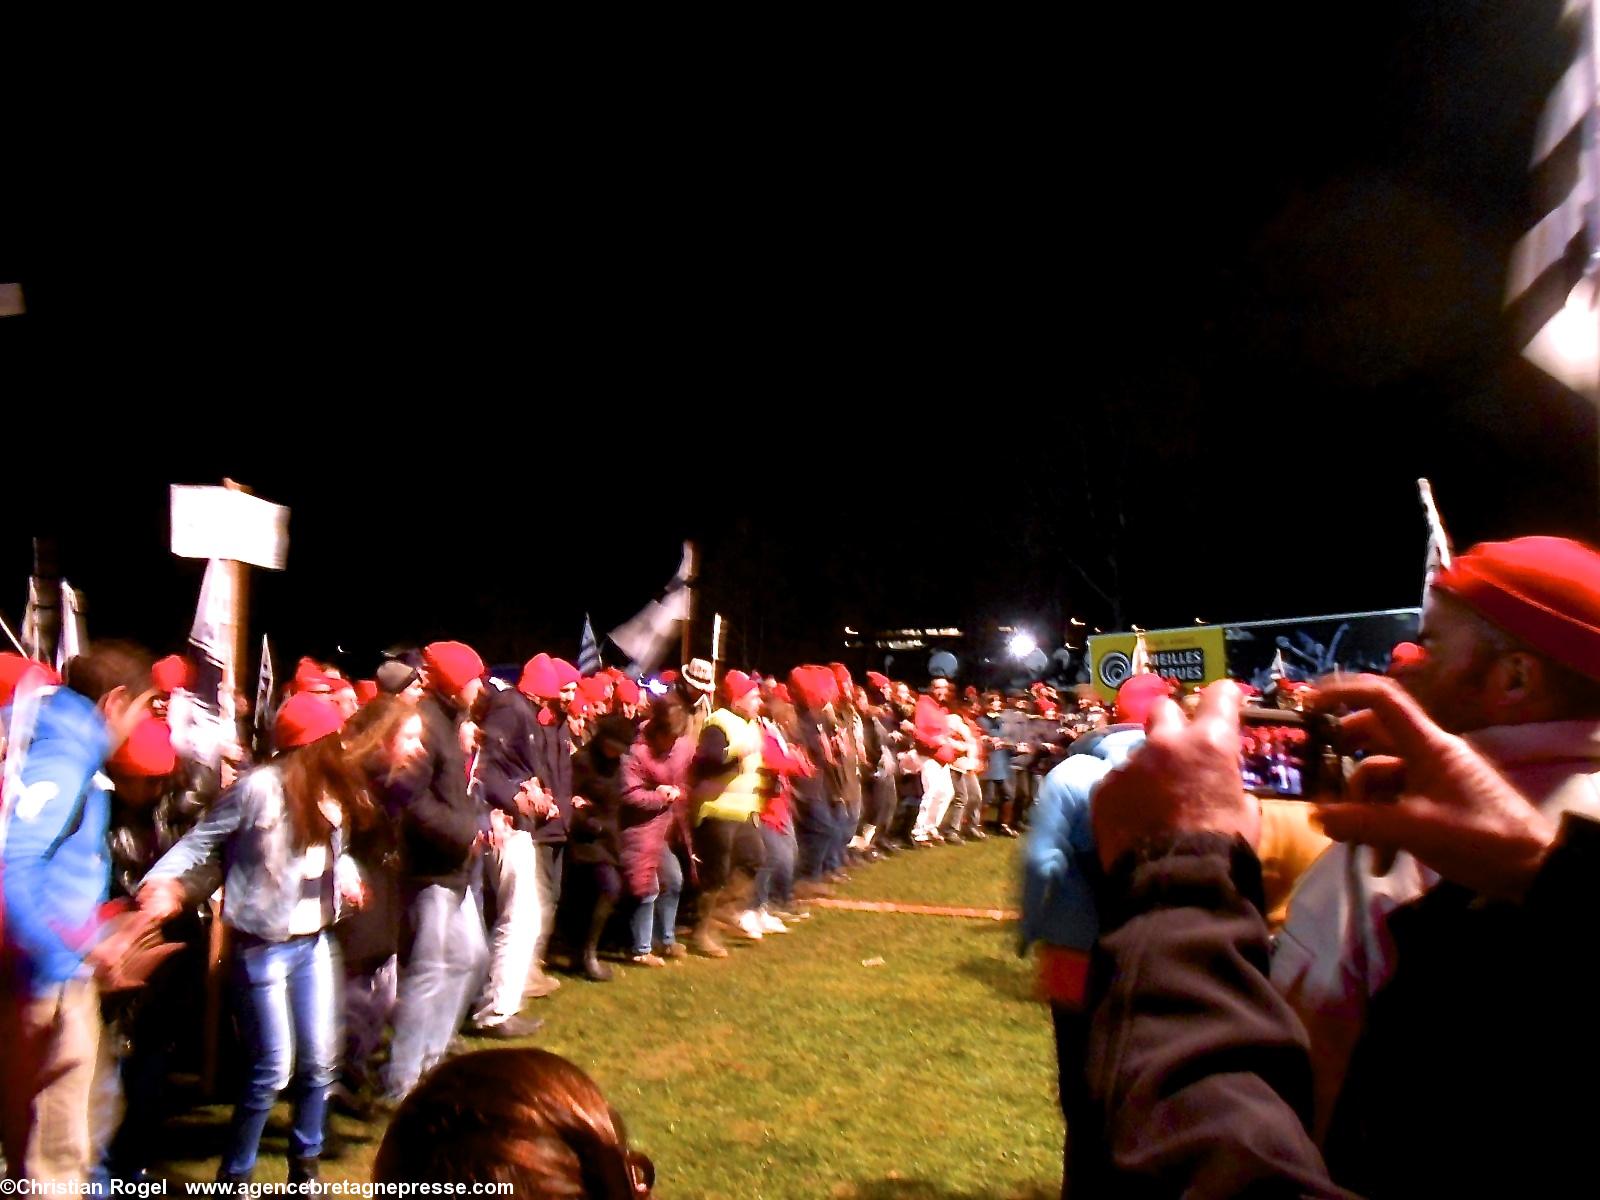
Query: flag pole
(12, 638)
(688, 620)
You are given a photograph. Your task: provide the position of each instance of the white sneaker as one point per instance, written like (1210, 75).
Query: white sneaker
(770, 923)
(749, 924)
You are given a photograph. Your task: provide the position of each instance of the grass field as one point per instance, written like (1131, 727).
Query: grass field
(792, 1069)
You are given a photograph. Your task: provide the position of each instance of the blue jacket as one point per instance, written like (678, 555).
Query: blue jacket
(57, 864)
(1058, 859)
(246, 831)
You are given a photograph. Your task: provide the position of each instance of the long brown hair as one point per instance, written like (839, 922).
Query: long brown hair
(517, 1115)
(335, 768)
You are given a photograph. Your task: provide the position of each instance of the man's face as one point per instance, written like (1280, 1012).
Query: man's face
(996, 705)
(748, 705)
(902, 693)
(566, 696)
(943, 691)
(469, 694)
(1449, 680)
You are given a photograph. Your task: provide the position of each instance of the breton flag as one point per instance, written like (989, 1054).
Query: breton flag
(74, 639)
(264, 685)
(202, 719)
(588, 650)
(648, 636)
(1551, 287)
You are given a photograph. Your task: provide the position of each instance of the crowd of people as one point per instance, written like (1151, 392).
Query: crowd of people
(420, 856)
(1381, 993)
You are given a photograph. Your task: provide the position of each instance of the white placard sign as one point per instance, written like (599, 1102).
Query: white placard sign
(214, 522)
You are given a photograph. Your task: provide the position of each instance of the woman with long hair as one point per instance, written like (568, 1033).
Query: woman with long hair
(280, 834)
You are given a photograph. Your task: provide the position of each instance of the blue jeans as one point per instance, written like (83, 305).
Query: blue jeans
(844, 828)
(288, 1004)
(814, 828)
(441, 974)
(775, 880)
(657, 913)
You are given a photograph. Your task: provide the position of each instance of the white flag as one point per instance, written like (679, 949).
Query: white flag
(74, 638)
(647, 637)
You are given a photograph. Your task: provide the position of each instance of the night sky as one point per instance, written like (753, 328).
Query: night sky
(966, 326)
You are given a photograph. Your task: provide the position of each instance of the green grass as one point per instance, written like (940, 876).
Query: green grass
(793, 1070)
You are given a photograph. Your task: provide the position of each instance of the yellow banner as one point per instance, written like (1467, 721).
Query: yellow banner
(1191, 656)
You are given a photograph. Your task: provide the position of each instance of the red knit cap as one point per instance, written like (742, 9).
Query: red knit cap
(627, 691)
(452, 665)
(12, 669)
(566, 672)
(304, 718)
(366, 689)
(171, 673)
(668, 677)
(881, 682)
(739, 685)
(841, 676)
(781, 691)
(147, 752)
(594, 688)
(1544, 591)
(813, 686)
(1138, 696)
(539, 678)
(309, 677)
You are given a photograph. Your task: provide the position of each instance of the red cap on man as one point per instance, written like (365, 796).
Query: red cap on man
(841, 676)
(451, 665)
(305, 718)
(813, 686)
(738, 685)
(13, 669)
(878, 680)
(539, 679)
(147, 752)
(1138, 697)
(171, 673)
(627, 691)
(366, 689)
(594, 688)
(566, 672)
(310, 677)
(1544, 591)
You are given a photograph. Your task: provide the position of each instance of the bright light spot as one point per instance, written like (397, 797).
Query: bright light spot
(340, 649)
(657, 688)
(851, 632)
(1568, 347)
(1075, 621)
(1021, 644)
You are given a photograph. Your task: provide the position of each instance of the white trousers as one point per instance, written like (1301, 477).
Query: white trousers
(937, 792)
(511, 872)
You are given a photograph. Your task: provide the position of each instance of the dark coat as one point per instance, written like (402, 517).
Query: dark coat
(593, 834)
(550, 752)
(506, 762)
(438, 821)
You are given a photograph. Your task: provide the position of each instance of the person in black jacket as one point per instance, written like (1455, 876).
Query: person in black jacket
(1199, 1070)
(505, 777)
(443, 953)
(554, 683)
(594, 841)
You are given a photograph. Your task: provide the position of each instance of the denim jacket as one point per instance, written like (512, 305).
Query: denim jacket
(246, 831)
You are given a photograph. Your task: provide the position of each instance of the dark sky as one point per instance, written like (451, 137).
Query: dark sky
(904, 326)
